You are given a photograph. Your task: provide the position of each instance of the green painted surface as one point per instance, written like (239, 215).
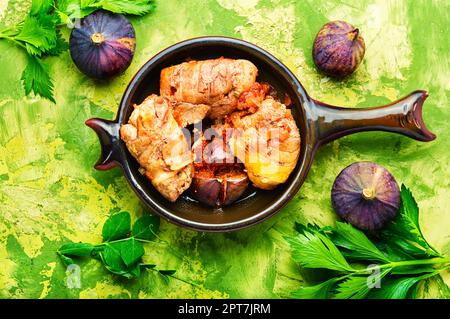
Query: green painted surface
(50, 194)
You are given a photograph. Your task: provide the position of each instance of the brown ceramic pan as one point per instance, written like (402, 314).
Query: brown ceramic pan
(318, 122)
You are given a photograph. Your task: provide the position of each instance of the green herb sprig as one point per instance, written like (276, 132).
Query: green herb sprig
(122, 248)
(398, 258)
(39, 34)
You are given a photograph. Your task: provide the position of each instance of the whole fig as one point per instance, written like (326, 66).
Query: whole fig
(103, 45)
(338, 49)
(366, 195)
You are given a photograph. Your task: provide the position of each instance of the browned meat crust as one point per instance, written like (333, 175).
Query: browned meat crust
(188, 113)
(217, 83)
(156, 140)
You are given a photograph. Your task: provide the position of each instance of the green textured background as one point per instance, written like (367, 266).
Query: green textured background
(50, 194)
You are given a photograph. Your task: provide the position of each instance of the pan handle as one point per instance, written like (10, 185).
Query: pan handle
(108, 134)
(403, 117)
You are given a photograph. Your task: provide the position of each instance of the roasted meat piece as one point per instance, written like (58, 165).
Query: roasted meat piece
(217, 83)
(188, 113)
(156, 140)
(267, 142)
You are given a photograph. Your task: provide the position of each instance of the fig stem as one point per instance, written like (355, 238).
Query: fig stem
(368, 193)
(354, 34)
(97, 38)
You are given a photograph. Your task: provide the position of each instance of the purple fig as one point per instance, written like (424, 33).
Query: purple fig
(218, 179)
(103, 45)
(338, 49)
(220, 186)
(366, 195)
(206, 188)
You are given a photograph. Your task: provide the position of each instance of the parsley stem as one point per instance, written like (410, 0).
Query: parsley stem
(6, 37)
(434, 273)
(437, 260)
(138, 239)
(161, 243)
(395, 264)
(112, 242)
(180, 279)
(6, 32)
(185, 281)
(125, 239)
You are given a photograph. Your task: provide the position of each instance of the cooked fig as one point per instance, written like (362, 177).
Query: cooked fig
(338, 49)
(366, 195)
(218, 178)
(219, 187)
(211, 147)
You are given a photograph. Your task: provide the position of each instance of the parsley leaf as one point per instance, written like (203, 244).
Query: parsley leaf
(135, 7)
(76, 9)
(394, 288)
(66, 260)
(167, 272)
(146, 227)
(117, 226)
(36, 79)
(357, 287)
(60, 47)
(38, 34)
(319, 291)
(314, 250)
(76, 249)
(131, 251)
(112, 259)
(38, 6)
(120, 254)
(405, 229)
(68, 10)
(356, 243)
